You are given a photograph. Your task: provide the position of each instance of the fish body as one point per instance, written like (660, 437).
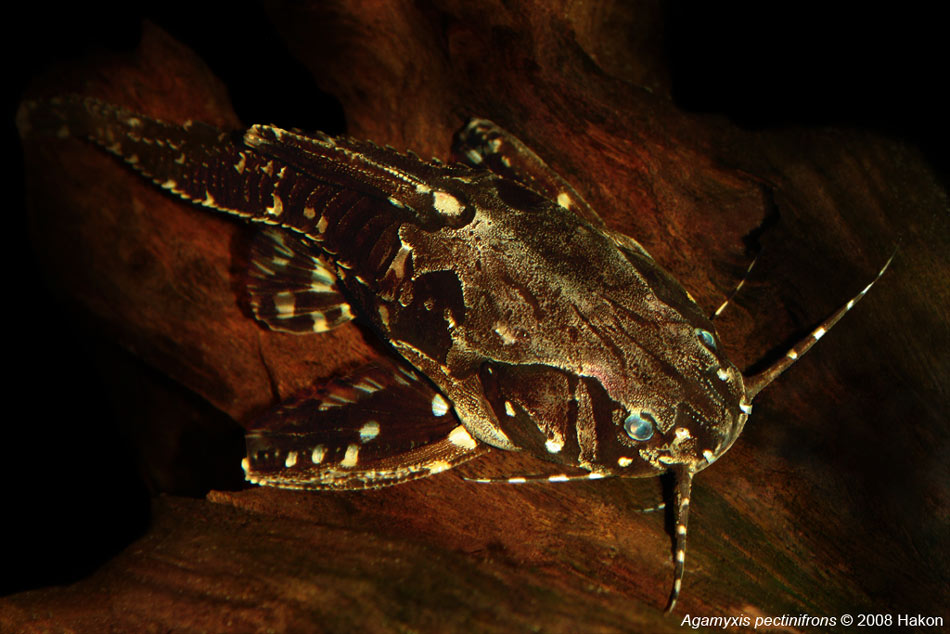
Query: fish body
(520, 321)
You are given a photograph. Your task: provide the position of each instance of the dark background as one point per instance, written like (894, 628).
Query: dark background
(71, 476)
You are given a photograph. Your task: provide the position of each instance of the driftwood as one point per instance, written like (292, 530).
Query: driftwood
(834, 500)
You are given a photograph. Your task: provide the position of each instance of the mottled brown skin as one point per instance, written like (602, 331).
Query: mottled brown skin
(821, 505)
(547, 332)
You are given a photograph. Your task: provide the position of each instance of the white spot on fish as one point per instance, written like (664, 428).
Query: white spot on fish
(319, 322)
(681, 434)
(285, 303)
(246, 465)
(366, 386)
(319, 453)
(517, 480)
(623, 461)
(509, 409)
(351, 456)
(277, 208)
(554, 445)
(291, 459)
(709, 456)
(322, 224)
(169, 184)
(564, 200)
(439, 466)
(722, 374)
(369, 431)
(503, 331)
(320, 274)
(461, 438)
(440, 407)
(446, 204)
(818, 334)
(558, 478)
(398, 265)
(792, 355)
(309, 213)
(595, 475)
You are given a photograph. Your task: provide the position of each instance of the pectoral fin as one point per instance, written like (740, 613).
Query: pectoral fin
(292, 288)
(380, 426)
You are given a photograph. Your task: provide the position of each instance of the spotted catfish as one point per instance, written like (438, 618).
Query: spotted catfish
(521, 321)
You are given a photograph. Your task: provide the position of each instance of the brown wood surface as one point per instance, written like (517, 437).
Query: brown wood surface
(835, 499)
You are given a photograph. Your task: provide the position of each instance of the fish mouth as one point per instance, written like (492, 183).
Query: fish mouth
(693, 446)
(735, 429)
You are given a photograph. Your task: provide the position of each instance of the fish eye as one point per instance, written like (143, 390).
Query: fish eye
(640, 425)
(707, 338)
